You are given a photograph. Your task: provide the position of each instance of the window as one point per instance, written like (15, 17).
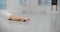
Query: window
(3, 4)
(58, 2)
(44, 2)
(39, 2)
(23, 2)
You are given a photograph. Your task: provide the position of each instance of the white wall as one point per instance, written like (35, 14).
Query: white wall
(14, 6)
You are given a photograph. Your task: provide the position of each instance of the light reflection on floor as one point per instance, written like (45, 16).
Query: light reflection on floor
(38, 23)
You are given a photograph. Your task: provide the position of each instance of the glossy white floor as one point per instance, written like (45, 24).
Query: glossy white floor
(38, 23)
